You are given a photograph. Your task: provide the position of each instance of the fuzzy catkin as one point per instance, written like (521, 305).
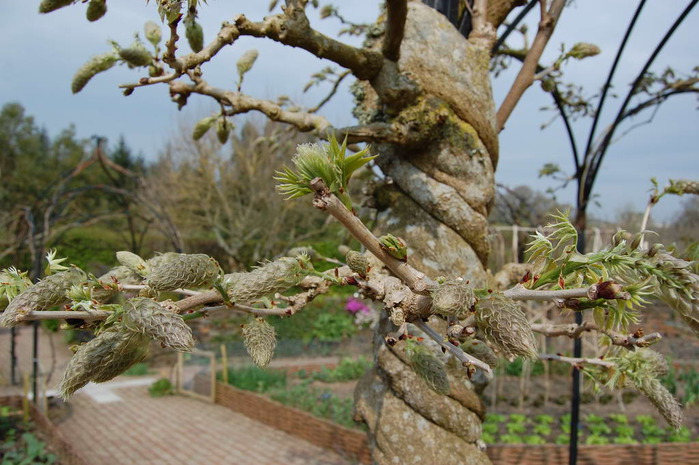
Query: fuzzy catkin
(106, 356)
(94, 66)
(95, 10)
(195, 36)
(175, 270)
(260, 341)
(504, 323)
(453, 298)
(276, 276)
(661, 398)
(480, 350)
(146, 316)
(428, 367)
(136, 55)
(49, 292)
(357, 262)
(47, 6)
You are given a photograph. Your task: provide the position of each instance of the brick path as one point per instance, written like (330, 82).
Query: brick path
(118, 423)
(176, 430)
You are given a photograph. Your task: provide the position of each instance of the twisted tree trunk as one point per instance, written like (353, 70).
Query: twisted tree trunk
(439, 191)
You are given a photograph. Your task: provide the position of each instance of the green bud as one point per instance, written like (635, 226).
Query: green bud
(148, 317)
(357, 262)
(153, 33)
(195, 36)
(480, 350)
(183, 270)
(96, 9)
(453, 298)
(47, 6)
(90, 69)
(583, 50)
(394, 246)
(136, 55)
(202, 127)
(548, 85)
(246, 61)
(223, 129)
(428, 367)
(133, 262)
(260, 341)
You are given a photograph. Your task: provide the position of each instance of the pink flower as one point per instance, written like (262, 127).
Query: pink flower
(355, 306)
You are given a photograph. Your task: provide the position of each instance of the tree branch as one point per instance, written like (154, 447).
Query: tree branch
(577, 361)
(463, 357)
(396, 14)
(525, 77)
(293, 28)
(574, 331)
(417, 281)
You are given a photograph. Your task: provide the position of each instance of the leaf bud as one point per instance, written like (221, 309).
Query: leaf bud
(246, 61)
(357, 262)
(583, 50)
(153, 33)
(195, 35)
(96, 9)
(47, 6)
(202, 127)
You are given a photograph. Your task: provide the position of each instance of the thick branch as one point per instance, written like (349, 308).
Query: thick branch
(324, 200)
(525, 77)
(396, 14)
(293, 29)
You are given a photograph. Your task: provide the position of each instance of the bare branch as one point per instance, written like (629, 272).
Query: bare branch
(417, 282)
(525, 77)
(463, 357)
(577, 361)
(396, 14)
(293, 28)
(574, 331)
(332, 92)
(138, 287)
(482, 32)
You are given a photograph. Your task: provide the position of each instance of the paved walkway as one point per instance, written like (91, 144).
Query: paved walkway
(130, 427)
(118, 423)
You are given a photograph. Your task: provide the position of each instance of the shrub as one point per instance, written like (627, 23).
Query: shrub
(160, 388)
(347, 370)
(252, 378)
(139, 369)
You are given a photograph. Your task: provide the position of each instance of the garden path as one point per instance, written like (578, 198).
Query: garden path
(118, 423)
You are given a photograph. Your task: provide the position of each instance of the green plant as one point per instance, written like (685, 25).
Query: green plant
(543, 430)
(488, 438)
(534, 440)
(139, 369)
(24, 449)
(594, 419)
(515, 367)
(252, 378)
(160, 388)
(680, 435)
(599, 429)
(624, 440)
(347, 370)
(690, 378)
(562, 439)
(544, 419)
(624, 430)
(495, 418)
(330, 327)
(511, 439)
(518, 418)
(619, 418)
(515, 428)
(490, 428)
(595, 439)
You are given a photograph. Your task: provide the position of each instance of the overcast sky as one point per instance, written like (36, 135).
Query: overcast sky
(42, 52)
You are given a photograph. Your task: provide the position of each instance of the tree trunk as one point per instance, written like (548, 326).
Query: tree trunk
(437, 196)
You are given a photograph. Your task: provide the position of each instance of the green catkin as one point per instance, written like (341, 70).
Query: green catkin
(202, 127)
(175, 271)
(95, 10)
(106, 356)
(195, 36)
(453, 298)
(260, 341)
(49, 292)
(505, 325)
(428, 367)
(148, 317)
(47, 6)
(90, 69)
(246, 61)
(276, 276)
(136, 55)
(153, 33)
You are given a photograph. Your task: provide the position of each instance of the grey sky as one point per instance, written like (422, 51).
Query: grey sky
(42, 52)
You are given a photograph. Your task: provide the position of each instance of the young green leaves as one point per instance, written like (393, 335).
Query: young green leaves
(328, 162)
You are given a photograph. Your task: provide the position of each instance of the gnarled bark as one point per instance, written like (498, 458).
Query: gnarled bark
(440, 189)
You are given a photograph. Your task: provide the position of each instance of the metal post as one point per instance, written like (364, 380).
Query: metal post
(575, 400)
(35, 363)
(13, 356)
